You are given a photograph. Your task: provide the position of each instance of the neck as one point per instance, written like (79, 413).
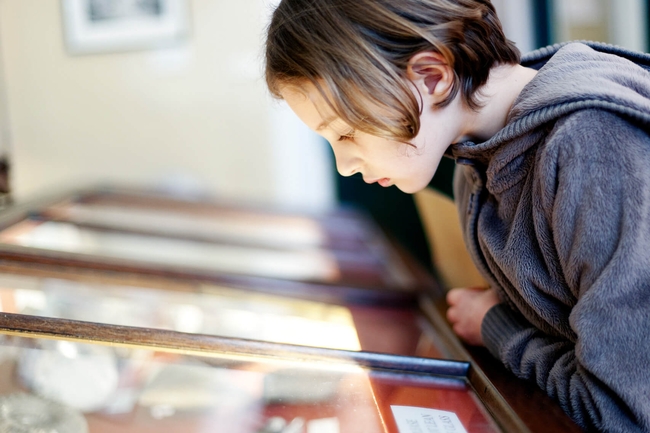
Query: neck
(498, 96)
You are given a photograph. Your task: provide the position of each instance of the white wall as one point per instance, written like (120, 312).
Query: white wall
(302, 162)
(516, 19)
(628, 24)
(197, 115)
(619, 22)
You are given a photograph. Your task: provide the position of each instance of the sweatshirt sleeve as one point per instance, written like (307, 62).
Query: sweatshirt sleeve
(598, 208)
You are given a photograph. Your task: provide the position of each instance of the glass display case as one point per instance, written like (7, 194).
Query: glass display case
(98, 341)
(153, 234)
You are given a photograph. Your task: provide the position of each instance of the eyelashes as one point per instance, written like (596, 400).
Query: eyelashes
(347, 136)
(344, 131)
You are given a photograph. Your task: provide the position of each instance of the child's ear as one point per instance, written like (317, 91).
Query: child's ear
(431, 74)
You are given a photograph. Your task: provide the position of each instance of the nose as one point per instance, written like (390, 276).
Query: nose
(345, 172)
(346, 164)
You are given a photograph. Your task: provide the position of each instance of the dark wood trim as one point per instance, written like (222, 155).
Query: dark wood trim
(517, 405)
(214, 346)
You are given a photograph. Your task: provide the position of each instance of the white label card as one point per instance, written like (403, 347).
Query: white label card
(411, 419)
(323, 425)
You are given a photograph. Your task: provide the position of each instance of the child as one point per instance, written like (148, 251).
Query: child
(552, 183)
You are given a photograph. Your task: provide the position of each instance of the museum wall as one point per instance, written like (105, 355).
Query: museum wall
(193, 117)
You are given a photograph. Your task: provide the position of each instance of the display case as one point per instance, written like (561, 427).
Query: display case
(223, 243)
(109, 337)
(68, 376)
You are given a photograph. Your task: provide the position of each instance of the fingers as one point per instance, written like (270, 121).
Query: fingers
(459, 294)
(467, 308)
(452, 314)
(454, 295)
(455, 299)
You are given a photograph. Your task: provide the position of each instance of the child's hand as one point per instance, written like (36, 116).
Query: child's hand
(467, 308)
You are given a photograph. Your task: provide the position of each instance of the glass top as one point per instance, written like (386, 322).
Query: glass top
(223, 311)
(195, 307)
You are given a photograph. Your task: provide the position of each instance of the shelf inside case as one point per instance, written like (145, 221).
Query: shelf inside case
(114, 379)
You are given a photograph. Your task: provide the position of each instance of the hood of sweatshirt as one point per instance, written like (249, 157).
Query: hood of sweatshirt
(571, 77)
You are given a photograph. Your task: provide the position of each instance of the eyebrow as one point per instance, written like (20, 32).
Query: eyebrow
(325, 123)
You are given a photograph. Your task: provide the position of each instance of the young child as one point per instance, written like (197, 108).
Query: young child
(552, 182)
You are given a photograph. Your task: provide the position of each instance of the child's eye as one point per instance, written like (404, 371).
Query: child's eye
(348, 136)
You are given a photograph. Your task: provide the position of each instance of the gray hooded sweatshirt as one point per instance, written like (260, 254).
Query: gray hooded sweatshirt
(555, 210)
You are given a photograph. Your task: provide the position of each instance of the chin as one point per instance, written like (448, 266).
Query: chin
(408, 189)
(416, 183)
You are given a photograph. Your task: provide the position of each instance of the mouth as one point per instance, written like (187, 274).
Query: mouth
(384, 181)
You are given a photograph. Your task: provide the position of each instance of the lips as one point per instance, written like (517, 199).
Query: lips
(384, 181)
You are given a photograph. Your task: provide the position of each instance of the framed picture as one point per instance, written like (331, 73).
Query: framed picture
(96, 26)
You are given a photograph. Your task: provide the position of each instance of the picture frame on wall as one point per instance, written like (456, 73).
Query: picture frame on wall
(101, 26)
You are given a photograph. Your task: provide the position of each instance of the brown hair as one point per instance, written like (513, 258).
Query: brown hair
(356, 53)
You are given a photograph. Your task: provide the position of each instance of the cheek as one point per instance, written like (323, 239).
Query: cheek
(416, 170)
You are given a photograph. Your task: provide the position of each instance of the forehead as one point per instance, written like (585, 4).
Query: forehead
(309, 105)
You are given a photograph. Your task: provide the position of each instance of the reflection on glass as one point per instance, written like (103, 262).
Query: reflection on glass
(165, 392)
(260, 229)
(295, 265)
(26, 413)
(224, 312)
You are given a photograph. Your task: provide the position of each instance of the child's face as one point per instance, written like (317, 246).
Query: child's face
(409, 167)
